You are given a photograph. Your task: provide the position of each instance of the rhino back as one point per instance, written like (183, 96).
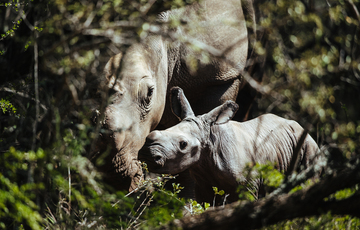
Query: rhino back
(220, 24)
(272, 138)
(234, 145)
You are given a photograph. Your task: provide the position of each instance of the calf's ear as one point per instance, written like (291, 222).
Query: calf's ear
(222, 113)
(180, 106)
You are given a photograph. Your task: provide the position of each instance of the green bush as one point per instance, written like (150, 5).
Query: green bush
(52, 54)
(42, 190)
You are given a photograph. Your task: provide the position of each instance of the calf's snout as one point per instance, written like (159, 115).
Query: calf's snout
(152, 137)
(150, 151)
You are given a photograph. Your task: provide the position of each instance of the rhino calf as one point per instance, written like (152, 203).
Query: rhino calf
(216, 150)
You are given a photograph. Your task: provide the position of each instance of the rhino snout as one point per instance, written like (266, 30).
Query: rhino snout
(153, 137)
(151, 155)
(158, 159)
(116, 120)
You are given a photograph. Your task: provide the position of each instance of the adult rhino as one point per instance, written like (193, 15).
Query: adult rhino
(139, 80)
(216, 150)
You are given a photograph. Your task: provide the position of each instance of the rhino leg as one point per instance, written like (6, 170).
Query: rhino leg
(128, 166)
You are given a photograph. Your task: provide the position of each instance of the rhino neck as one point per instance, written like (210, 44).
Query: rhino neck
(215, 167)
(207, 175)
(173, 59)
(172, 47)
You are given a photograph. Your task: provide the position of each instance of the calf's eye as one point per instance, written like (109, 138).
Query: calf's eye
(183, 144)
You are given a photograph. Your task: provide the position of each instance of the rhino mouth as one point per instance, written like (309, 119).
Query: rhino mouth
(153, 157)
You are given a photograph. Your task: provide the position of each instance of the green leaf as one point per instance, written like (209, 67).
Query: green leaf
(206, 205)
(215, 190)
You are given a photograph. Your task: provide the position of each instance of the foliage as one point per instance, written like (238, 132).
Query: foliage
(52, 54)
(81, 201)
(17, 203)
(313, 65)
(196, 208)
(326, 221)
(312, 74)
(6, 106)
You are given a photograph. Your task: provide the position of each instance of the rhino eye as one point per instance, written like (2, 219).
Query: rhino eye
(150, 91)
(183, 145)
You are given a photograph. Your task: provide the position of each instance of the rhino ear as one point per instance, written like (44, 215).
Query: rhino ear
(222, 113)
(179, 104)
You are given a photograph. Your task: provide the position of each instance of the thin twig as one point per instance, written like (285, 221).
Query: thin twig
(21, 94)
(64, 40)
(145, 9)
(226, 195)
(69, 174)
(149, 199)
(356, 11)
(36, 82)
(296, 155)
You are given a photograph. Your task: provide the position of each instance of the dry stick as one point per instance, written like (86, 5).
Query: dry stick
(133, 191)
(149, 197)
(36, 81)
(296, 156)
(72, 90)
(356, 11)
(226, 195)
(50, 213)
(69, 188)
(145, 9)
(21, 94)
(68, 38)
(88, 45)
(145, 206)
(27, 22)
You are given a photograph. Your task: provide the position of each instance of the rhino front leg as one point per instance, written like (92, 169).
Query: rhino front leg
(129, 168)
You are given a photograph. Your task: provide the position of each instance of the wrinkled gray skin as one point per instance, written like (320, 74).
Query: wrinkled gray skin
(216, 150)
(140, 78)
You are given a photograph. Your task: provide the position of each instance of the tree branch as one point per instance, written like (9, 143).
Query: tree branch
(296, 156)
(275, 208)
(36, 83)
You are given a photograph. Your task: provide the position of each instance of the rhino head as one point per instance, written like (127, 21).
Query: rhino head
(178, 148)
(136, 82)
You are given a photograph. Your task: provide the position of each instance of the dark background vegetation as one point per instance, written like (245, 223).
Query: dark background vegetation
(52, 54)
